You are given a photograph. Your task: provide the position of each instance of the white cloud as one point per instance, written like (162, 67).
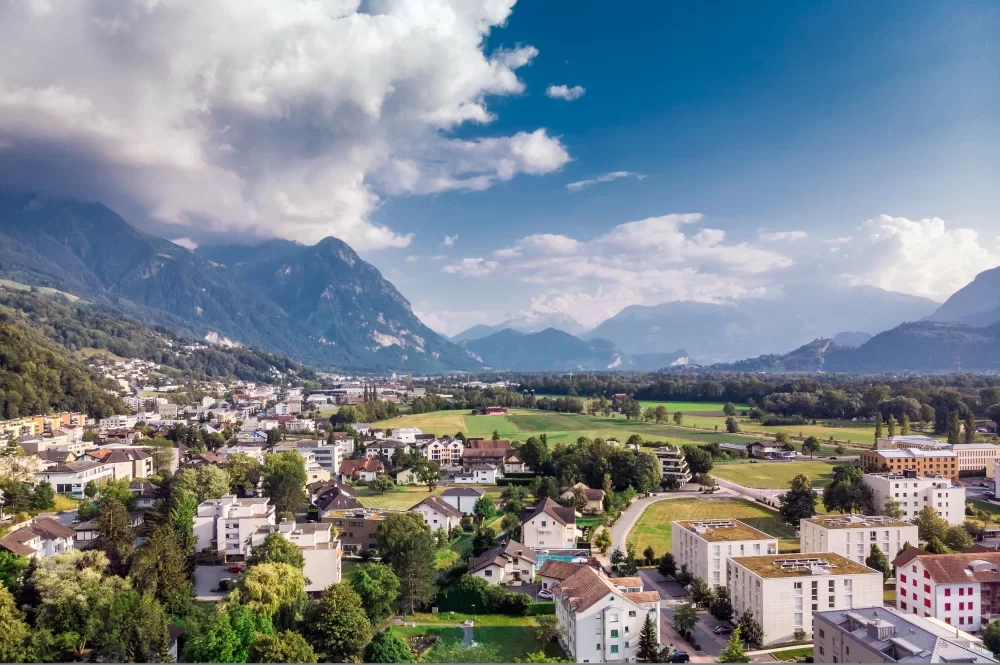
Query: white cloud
(565, 92)
(411, 259)
(473, 267)
(607, 177)
(450, 240)
(446, 321)
(292, 118)
(920, 257)
(781, 236)
(186, 243)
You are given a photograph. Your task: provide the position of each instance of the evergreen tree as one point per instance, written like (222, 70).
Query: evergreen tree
(878, 426)
(954, 428)
(649, 643)
(116, 537)
(734, 652)
(891, 426)
(878, 561)
(668, 565)
(799, 502)
(904, 427)
(970, 427)
(160, 566)
(43, 497)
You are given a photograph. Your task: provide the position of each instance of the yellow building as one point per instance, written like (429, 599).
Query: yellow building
(924, 462)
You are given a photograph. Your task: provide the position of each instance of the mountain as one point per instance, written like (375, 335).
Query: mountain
(977, 303)
(528, 323)
(811, 357)
(726, 332)
(340, 311)
(549, 349)
(850, 339)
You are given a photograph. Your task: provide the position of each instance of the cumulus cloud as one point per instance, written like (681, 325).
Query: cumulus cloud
(186, 243)
(565, 92)
(294, 119)
(607, 177)
(473, 267)
(921, 257)
(781, 236)
(450, 240)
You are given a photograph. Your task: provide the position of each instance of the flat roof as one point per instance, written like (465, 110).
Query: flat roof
(802, 565)
(723, 530)
(855, 521)
(912, 453)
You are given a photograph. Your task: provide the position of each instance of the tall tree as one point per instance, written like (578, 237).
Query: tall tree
(991, 636)
(810, 445)
(931, 525)
(878, 426)
(685, 618)
(904, 427)
(378, 588)
(14, 631)
(244, 473)
(970, 427)
(799, 502)
(954, 428)
(285, 480)
(534, 452)
(381, 484)
(12, 570)
(734, 653)
(668, 565)
(484, 509)
(274, 591)
(116, 536)
(892, 508)
(428, 473)
(732, 426)
(678, 417)
(284, 647)
(877, 561)
(226, 636)
(649, 643)
(891, 426)
(160, 566)
(848, 492)
(729, 409)
(721, 606)
(751, 630)
(407, 545)
(336, 625)
(277, 549)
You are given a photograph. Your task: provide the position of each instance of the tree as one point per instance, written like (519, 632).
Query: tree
(678, 417)
(721, 606)
(277, 549)
(244, 473)
(546, 628)
(699, 461)
(931, 526)
(732, 426)
(212, 482)
(337, 626)
(799, 502)
(660, 414)
(160, 566)
(406, 544)
(810, 445)
(285, 480)
(513, 499)
(545, 488)
(957, 539)
(511, 525)
(685, 618)
(991, 636)
(751, 631)
(273, 438)
(43, 497)
(14, 631)
(484, 509)
(684, 575)
(878, 426)
(428, 473)
(970, 427)
(90, 489)
(378, 588)
(274, 591)
(904, 427)
(12, 570)
(891, 426)
(226, 636)
(534, 452)
(116, 537)
(701, 593)
(649, 554)
(891, 508)
(734, 653)
(284, 647)
(729, 409)
(840, 449)
(668, 565)
(935, 546)
(848, 492)
(388, 647)
(484, 539)
(954, 428)
(649, 643)
(877, 561)
(381, 484)
(603, 541)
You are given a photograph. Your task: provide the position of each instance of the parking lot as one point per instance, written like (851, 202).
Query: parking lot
(206, 581)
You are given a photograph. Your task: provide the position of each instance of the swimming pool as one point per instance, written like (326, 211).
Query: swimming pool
(564, 555)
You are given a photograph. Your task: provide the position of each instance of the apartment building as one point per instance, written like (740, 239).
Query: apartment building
(326, 455)
(704, 546)
(783, 591)
(886, 635)
(915, 492)
(446, 452)
(673, 464)
(438, 514)
(922, 462)
(72, 477)
(853, 535)
(321, 550)
(600, 623)
(119, 422)
(38, 538)
(549, 526)
(463, 498)
(126, 463)
(227, 524)
(357, 529)
(961, 589)
(508, 563)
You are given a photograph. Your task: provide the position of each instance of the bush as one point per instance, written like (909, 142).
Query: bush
(523, 482)
(516, 605)
(542, 608)
(783, 420)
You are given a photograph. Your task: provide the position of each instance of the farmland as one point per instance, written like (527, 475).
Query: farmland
(775, 475)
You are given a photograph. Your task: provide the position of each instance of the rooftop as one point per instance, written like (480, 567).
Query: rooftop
(910, 453)
(854, 521)
(801, 565)
(723, 530)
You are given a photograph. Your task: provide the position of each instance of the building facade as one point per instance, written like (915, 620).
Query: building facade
(673, 464)
(853, 535)
(549, 526)
(915, 492)
(705, 545)
(225, 525)
(961, 589)
(922, 462)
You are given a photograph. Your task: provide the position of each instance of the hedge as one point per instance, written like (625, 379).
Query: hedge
(542, 607)
(523, 482)
(529, 475)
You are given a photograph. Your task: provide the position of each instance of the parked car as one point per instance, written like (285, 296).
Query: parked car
(227, 583)
(545, 594)
(679, 657)
(753, 461)
(984, 484)
(990, 496)
(236, 568)
(723, 629)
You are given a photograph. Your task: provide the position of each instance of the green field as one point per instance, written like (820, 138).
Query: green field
(404, 498)
(653, 527)
(775, 475)
(45, 290)
(691, 407)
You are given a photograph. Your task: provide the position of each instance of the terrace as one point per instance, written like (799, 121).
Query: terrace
(784, 565)
(723, 530)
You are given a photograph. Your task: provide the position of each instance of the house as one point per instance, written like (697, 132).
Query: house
(915, 492)
(357, 529)
(595, 498)
(481, 474)
(496, 456)
(126, 463)
(145, 494)
(438, 514)
(673, 464)
(854, 535)
(549, 525)
(51, 457)
(406, 434)
(961, 589)
(885, 635)
(780, 590)
(479, 443)
(71, 478)
(333, 497)
(768, 450)
(321, 550)
(704, 546)
(509, 563)
(598, 622)
(446, 452)
(357, 469)
(513, 464)
(362, 428)
(385, 448)
(87, 533)
(462, 498)
(921, 462)
(553, 571)
(407, 477)
(252, 436)
(225, 525)
(39, 538)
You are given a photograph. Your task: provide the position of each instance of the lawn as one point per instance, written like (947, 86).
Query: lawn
(841, 430)
(990, 508)
(692, 407)
(404, 498)
(514, 642)
(792, 654)
(65, 503)
(653, 527)
(776, 475)
(458, 549)
(446, 634)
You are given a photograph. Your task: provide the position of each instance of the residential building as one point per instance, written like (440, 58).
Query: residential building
(357, 529)
(226, 524)
(385, 448)
(39, 538)
(770, 450)
(326, 455)
(705, 545)
(331, 497)
(357, 469)
(673, 464)
(486, 455)
(119, 422)
(600, 623)
(126, 463)
(462, 498)
(922, 462)
(72, 478)
(407, 477)
(552, 571)
(406, 434)
(783, 591)
(961, 589)
(438, 514)
(479, 443)
(886, 635)
(549, 526)
(915, 492)
(480, 474)
(509, 563)
(446, 452)
(854, 535)
(595, 498)
(322, 552)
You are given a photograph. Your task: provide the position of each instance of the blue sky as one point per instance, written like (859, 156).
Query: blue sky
(767, 143)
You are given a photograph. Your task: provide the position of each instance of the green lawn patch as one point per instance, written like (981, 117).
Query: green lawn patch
(514, 642)
(792, 654)
(776, 475)
(479, 619)
(654, 526)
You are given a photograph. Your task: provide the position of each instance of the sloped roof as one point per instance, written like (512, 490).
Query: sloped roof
(553, 510)
(956, 568)
(441, 506)
(462, 491)
(559, 570)
(43, 527)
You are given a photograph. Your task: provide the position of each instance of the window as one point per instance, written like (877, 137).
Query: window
(614, 634)
(614, 617)
(821, 651)
(598, 647)
(798, 619)
(970, 590)
(902, 606)
(947, 607)
(961, 621)
(631, 613)
(902, 592)
(927, 602)
(489, 573)
(927, 575)
(927, 588)
(961, 591)
(947, 592)
(902, 578)
(614, 648)
(822, 633)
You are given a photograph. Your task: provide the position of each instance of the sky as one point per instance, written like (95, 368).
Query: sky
(498, 160)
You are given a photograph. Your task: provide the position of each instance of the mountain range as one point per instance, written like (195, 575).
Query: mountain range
(976, 304)
(528, 323)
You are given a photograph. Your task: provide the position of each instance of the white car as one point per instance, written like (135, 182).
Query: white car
(545, 594)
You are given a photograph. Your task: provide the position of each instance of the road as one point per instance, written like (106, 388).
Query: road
(620, 529)
(672, 595)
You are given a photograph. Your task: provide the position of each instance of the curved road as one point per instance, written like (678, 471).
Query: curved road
(620, 529)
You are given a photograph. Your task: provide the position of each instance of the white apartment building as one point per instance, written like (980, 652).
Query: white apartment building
(463, 498)
(446, 452)
(853, 535)
(915, 493)
(673, 464)
(549, 526)
(72, 477)
(886, 635)
(119, 422)
(328, 456)
(600, 623)
(226, 524)
(704, 546)
(406, 434)
(322, 552)
(386, 448)
(960, 589)
(783, 591)
(38, 538)
(438, 514)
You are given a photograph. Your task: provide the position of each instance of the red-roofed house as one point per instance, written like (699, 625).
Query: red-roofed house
(961, 589)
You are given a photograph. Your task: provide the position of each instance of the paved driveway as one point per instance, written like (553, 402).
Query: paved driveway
(672, 595)
(206, 581)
